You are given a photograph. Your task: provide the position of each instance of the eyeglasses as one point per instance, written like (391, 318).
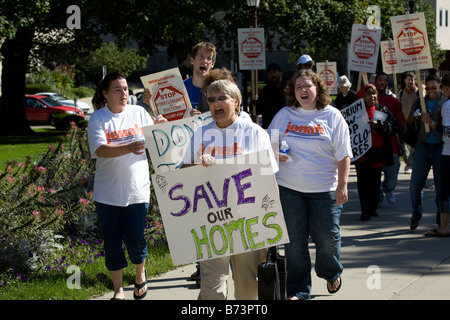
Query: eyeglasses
(305, 87)
(207, 59)
(219, 98)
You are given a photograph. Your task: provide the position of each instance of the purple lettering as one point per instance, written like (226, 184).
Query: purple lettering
(241, 188)
(224, 201)
(187, 203)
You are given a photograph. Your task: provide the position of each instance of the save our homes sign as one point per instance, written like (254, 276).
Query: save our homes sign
(225, 209)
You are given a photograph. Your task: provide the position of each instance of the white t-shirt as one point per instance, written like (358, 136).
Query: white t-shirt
(123, 180)
(241, 137)
(318, 140)
(445, 112)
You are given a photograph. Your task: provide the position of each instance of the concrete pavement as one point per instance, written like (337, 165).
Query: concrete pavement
(383, 259)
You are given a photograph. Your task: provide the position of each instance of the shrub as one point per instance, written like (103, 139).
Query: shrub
(44, 198)
(48, 203)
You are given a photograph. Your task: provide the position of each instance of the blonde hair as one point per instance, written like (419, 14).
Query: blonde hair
(227, 87)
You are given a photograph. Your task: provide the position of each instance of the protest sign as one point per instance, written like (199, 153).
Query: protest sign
(358, 124)
(412, 48)
(252, 49)
(167, 142)
(327, 71)
(411, 42)
(389, 57)
(169, 96)
(365, 44)
(221, 210)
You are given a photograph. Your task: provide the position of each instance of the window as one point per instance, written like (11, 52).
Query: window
(446, 18)
(440, 17)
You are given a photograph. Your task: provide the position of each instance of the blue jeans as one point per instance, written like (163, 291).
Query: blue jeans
(316, 215)
(123, 225)
(390, 177)
(425, 155)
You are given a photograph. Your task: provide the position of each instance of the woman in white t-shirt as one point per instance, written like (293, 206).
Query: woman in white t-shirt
(312, 181)
(228, 136)
(122, 182)
(442, 126)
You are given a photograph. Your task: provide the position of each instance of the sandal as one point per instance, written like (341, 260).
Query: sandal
(436, 233)
(139, 287)
(332, 284)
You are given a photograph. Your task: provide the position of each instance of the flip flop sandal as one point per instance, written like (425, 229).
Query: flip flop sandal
(139, 287)
(436, 233)
(332, 283)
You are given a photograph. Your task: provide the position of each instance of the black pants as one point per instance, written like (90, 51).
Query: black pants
(368, 182)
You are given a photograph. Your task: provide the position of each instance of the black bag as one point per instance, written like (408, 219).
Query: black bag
(272, 277)
(411, 134)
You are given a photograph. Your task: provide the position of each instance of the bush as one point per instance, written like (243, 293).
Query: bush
(47, 204)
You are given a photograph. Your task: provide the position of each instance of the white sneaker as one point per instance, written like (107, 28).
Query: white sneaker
(408, 170)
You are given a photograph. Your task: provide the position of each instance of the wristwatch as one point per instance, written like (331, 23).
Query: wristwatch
(433, 124)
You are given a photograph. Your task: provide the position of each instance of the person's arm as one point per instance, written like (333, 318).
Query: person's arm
(341, 192)
(113, 151)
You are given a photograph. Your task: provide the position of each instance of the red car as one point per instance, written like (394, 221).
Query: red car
(46, 110)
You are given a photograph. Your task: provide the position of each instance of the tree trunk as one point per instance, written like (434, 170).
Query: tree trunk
(15, 64)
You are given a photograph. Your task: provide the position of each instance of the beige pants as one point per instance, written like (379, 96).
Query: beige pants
(214, 275)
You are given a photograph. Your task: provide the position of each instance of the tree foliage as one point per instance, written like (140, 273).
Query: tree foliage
(36, 32)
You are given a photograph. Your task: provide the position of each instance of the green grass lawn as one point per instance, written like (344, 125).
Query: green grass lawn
(19, 147)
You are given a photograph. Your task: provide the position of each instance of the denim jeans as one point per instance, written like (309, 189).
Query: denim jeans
(316, 215)
(390, 177)
(121, 225)
(425, 155)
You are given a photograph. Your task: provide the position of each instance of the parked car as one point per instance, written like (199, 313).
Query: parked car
(46, 110)
(66, 101)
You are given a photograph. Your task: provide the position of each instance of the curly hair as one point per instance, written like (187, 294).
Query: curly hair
(323, 97)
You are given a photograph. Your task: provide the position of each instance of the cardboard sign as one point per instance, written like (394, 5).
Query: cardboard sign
(364, 47)
(169, 96)
(167, 142)
(221, 210)
(389, 57)
(327, 71)
(358, 124)
(411, 42)
(252, 49)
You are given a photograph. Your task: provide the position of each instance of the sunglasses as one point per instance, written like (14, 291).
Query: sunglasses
(219, 98)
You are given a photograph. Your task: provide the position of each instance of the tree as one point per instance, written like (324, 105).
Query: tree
(320, 27)
(123, 61)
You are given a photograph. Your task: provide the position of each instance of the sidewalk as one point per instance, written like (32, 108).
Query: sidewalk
(383, 259)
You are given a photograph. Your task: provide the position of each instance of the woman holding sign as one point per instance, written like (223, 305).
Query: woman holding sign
(122, 182)
(427, 151)
(442, 126)
(312, 181)
(226, 137)
(368, 167)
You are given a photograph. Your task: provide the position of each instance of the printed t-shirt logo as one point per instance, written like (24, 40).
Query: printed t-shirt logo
(220, 150)
(305, 130)
(120, 135)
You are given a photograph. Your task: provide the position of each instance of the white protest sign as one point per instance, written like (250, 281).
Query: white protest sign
(358, 124)
(364, 47)
(389, 57)
(221, 210)
(167, 142)
(327, 71)
(411, 42)
(169, 96)
(252, 49)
